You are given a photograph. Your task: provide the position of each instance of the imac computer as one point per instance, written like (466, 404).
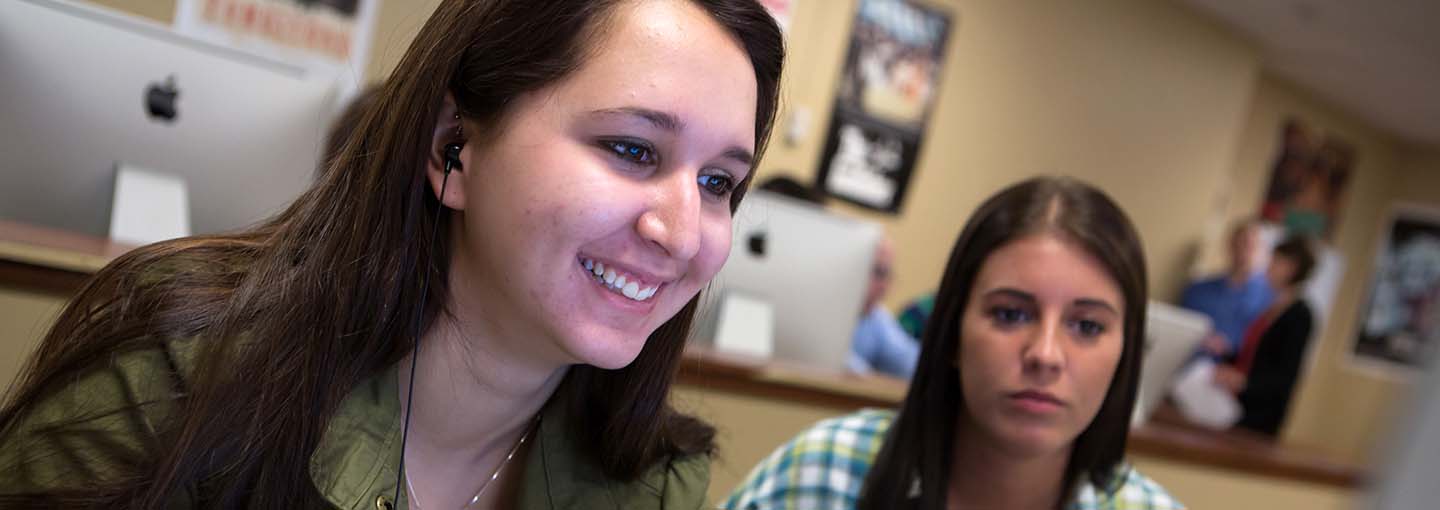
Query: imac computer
(84, 91)
(1172, 335)
(811, 267)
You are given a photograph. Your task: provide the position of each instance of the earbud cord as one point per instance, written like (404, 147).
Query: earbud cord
(415, 353)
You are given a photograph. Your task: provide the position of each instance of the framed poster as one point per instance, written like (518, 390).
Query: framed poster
(1308, 180)
(330, 39)
(1400, 325)
(887, 91)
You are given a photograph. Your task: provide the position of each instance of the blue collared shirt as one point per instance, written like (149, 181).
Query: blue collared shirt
(1231, 308)
(881, 345)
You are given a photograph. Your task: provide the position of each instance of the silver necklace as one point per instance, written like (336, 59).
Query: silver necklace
(415, 501)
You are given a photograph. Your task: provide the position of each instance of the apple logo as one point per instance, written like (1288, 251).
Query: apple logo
(756, 243)
(160, 100)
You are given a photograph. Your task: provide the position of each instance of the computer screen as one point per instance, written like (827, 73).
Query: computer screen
(811, 266)
(84, 90)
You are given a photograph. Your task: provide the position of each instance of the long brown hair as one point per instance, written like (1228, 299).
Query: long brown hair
(922, 439)
(292, 314)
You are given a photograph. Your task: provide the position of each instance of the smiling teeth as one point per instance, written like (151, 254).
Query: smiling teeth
(618, 283)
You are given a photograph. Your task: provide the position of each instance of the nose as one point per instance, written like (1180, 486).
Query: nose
(671, 220)
(1044, 353)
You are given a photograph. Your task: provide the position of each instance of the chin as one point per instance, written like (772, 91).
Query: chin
(609, 350)
(1032, 441)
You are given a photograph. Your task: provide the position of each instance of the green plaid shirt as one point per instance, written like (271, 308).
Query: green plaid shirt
(824, 467)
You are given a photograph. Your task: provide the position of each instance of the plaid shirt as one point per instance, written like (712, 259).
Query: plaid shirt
(824, 467)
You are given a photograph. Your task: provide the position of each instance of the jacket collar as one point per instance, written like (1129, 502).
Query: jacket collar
(357, 459)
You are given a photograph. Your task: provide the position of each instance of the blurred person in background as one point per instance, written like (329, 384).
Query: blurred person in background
(1234, 299)
(880, 344)
(1262, 374)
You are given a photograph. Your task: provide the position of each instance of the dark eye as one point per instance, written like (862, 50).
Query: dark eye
(718, 185)
(1089, 328)
(633, 152)
(1008, 316)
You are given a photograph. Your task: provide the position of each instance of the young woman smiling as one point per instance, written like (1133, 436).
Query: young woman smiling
(272, 367)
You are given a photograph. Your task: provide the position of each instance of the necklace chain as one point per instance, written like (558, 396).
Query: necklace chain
(415, 501)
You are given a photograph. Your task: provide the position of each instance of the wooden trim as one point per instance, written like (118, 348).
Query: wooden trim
(712, 370)
(1168, 436)
(41, 279)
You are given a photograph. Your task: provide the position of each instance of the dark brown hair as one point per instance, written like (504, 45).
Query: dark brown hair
(323, 294)
(343, 127)
(922, 439)
(1298, 250)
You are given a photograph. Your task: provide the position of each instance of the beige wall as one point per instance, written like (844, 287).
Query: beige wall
(24, 317)
(1139, 97)
(1338, 409)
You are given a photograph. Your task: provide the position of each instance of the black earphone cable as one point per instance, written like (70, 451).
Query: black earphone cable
(452, 155)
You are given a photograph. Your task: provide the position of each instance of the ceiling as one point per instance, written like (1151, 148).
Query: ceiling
(1377, 60)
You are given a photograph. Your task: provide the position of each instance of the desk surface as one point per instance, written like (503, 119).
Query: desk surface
(59, 262)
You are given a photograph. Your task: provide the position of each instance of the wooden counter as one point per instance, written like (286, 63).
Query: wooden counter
(1167, 436)
(58, 262)
(51, 261)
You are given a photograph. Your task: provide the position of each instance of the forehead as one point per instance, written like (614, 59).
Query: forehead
(1050, 268)
(669, 56)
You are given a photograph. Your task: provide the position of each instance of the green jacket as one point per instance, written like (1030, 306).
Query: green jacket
(353, 467)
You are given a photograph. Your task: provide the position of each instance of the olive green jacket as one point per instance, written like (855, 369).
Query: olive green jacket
(353, 467)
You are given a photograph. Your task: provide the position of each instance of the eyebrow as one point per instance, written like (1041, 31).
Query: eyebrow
(669, 122)
(1030, 298)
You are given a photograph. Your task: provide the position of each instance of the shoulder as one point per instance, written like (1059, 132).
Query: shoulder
(1130, 490)
(88, 428)
(822, 466)
(1296, 319)
(686, 480)
(1302, 311)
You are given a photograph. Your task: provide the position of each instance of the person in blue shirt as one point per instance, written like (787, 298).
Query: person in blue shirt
(1234, 299)
(879, 343)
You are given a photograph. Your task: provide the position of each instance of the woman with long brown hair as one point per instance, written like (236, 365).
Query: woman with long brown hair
(1028, 372)
(579, 162)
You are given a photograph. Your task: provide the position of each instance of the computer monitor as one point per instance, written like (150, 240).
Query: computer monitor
(811, 266)
(83, 89)
(1172, 335)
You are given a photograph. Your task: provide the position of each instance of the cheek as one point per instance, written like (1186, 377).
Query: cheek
(714, 248)
(978, 361)
(1098, 370)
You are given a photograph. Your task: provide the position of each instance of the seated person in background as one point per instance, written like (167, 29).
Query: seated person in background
(1263, 373)
(1234, 299)
(1028, 375)
(879, 343)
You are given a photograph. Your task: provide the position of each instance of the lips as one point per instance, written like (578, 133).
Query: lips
(1036, 401)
